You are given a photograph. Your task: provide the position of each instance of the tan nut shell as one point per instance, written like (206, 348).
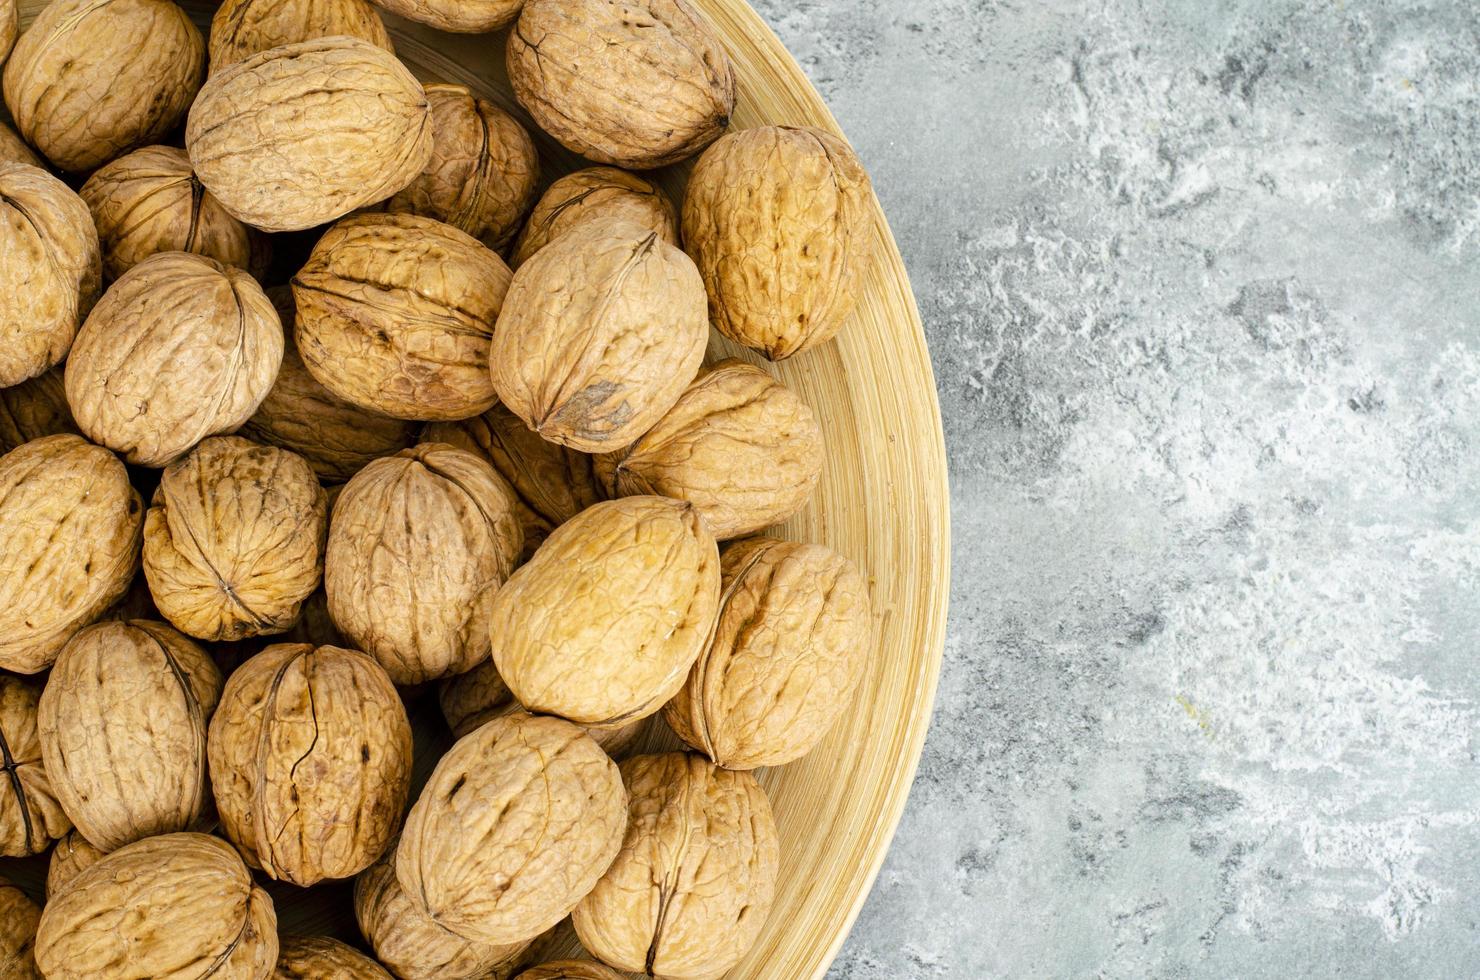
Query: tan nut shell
(322, 958)
(457, 16)
(50, 270)
(483, 171)
(19, 917)
(471, 700)
(603, 623)
(691, 888)
(310, 756)
(13, 149)
(596, 192)
(570, 970)
(418, 544)
(33, 409)
(599, 334)
(122, 723)
(779, 221)
(412, 945)
(176, 907)
(149, 201)
(516, 824)
(242, 28)
(299, 135)
(70, 525)
(552, 483)
(178, 349)
(10, 26)
(30, 816)
(71, 856)
(738, 445)
(639, 84)
(92, 79)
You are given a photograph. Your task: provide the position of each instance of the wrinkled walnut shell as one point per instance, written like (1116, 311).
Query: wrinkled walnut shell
(310, 755)
(71, 856)
(10, 26)
(19, 917)
(457, 16)
(596, 192)
(471, 700)
(691, 888)
(33, 409)
(242, 28)
(570, 970)
(322, 958)
(13, 149)
(30, 816)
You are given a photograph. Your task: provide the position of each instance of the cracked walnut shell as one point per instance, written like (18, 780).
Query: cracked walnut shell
(71, 856)
(570, 970)
(33, 409)
(178, 905)
(310, 755)
(19, 917)
(242, 28)
(322, 958)
(690, 890)
(596, 192)
(30, 816)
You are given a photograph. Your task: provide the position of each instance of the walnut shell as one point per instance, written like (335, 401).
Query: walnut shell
(596, 192)
(234, 541)
(412, 945)
(70, 525)
(19, 917)
(310, 755)
(50, 270)
(639, 84)
(599, 334)
(33, 409)
(301, 134)
(10, 26)
(471, 700)
(457, 16)
(603, 623)
(570, 970)
(30, 816)
(149, 201)
(13, 149)
(779, 220)
(178, 349)
(418, 544)
(242, 28)
(71, 856)
(179, 905)
(692, 886)
(552, 483)
(122, 723)
(93, 79)
(396, 315)
(322, 958)
(738, 445)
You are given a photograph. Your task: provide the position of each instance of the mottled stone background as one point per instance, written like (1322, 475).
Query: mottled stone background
(1201, 280)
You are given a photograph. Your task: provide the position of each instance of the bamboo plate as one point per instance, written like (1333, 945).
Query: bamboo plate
(882, 502)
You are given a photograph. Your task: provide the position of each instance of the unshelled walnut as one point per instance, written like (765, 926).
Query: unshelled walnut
(19, 917)
(70, 527)
(242, 28)
(418, 543)
(483, 170)
(602, 625)
(779, 221)
(301, 134)
(458, 16)
(310, 754)
(168, 906)
(640, 84)
(322, 958)
(33, 409)
(471, 700)
(179, 348)
(71, 856)
(50, 270)
(10, 26)
(599, 334)
(92, 79)
(691, 888)
(516, 824)
(123, 723)
(738, 445)
(570, 970)
(596, 192)
(793, 639)
(13, 149)
(234, 540)
(149, 201)
(30, 816)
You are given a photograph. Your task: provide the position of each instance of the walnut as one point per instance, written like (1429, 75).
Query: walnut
(595, 192)
(396, 315)
(18, 919)
(242, 28)
(458, 16)
(149, 201)
(570, 970)
(603, 623)
(30, 816)
(92, 79)
(122, 723)
(10, 26)
(301, 134)
(50, 270)
(322, 958)
(71, 856)
(310, 755)
(13, 149)
(692, 886)
(517, 822)
(483, 171)
(172, 906)
(33, 409)
(779, 220)
(639, 84)
(234, 541)
(738, 445)
(552, 483)
(418, 543)
(179, 348)
(70, 525)
(599, 334)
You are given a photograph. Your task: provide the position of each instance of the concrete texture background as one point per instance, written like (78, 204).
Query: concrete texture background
(1200, 281)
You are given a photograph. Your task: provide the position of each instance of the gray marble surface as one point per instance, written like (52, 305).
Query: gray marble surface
(1201, 285)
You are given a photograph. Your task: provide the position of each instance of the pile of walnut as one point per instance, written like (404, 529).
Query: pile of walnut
(260, 490)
